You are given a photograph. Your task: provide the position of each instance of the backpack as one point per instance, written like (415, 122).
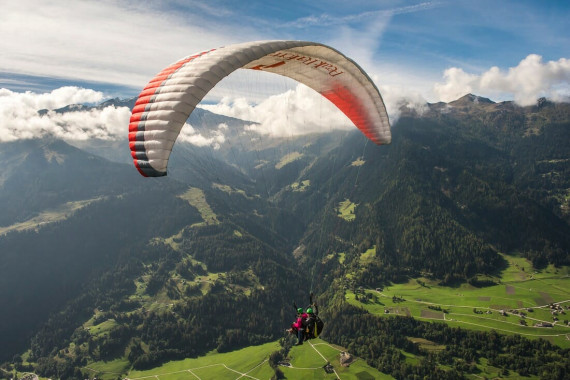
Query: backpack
(319, 324)
(315, 326)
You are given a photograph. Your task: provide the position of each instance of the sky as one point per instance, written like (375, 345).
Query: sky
(56, 53)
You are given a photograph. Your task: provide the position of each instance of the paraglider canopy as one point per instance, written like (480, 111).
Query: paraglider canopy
(169, 98)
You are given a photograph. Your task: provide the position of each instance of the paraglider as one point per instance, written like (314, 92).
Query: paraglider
(307, 325)
(169, 98)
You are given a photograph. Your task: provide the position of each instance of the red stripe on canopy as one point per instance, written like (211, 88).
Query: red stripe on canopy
(350, 105)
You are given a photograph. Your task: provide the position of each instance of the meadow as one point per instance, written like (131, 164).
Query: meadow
(51, 215)
(520, 294)
(515, 302)
(519, 301)
(306, 362)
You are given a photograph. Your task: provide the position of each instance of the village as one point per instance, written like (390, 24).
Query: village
(398, 304)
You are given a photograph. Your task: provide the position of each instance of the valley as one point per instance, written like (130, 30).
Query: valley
(51, 215)
(443, 254)
(534, 304)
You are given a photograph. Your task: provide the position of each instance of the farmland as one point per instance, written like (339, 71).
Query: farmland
(524, 301)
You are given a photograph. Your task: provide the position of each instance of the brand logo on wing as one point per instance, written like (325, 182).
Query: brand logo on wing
(315, 63)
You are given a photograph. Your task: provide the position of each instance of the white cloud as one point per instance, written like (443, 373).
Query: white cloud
(61, 97)
(190, 135)
(19, 117)
(295, 112)
(457, 83)
(300, 110)
(326, 20)
(118, 42)
(529, 80)
(398, 97)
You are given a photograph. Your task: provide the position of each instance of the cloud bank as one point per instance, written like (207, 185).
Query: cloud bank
(19, 117)
(525, 83)
(296, 110)
(189, 135)
(117, 42)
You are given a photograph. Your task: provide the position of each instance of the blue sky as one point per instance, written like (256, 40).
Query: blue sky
(415, 51)
(118, 45)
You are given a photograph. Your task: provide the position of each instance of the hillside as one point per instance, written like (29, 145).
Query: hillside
(41, 174)
(99, 264)
(256, 362)
(450, 192)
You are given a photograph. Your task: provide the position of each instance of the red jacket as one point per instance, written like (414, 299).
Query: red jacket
(299, 323)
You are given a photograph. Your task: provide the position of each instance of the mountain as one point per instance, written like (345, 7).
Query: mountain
(81, 229)
(115, 102)
(471, 100)
(212, 256)
(66, 215)
(39, 174)
(453, 189)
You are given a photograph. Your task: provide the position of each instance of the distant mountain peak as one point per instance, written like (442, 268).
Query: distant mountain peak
(470, 99)
(115, 102)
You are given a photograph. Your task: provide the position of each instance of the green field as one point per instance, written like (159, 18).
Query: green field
(102, 328)
(519, 302)
(300, 186)
(230, 190)
(346, 210)
(288, 158)
(368, 256)
(196, 198)
(52, 215)
(306, 362)
(248, 362)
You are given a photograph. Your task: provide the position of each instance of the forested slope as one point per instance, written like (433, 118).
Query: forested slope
(148, 273)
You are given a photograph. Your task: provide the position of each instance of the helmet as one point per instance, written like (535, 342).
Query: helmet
(309, 311)
(299, 310)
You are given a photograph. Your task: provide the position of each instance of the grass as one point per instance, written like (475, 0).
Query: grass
(110, 369)
(410, 358)
(345, 210)
(51, 215)
(287, 159)
(251, 361)
(517, 289)
(306, 361)
(341, 256)
(230, 190)
(490, 372)
(197, 199)
(173, 241)
(102, 328)
(428, 345)
(301, 186)
(368, 256)
(358, 162)
(414, 297)
(207, 281)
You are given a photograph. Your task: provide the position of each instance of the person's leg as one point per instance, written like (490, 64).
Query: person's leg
(300, 336)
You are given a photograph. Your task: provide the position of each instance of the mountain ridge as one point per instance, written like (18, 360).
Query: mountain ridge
(456, 187)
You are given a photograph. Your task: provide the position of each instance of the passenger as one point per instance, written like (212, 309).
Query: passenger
(299, 325)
